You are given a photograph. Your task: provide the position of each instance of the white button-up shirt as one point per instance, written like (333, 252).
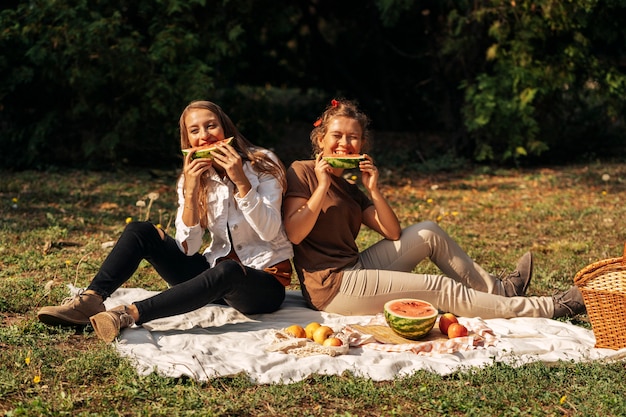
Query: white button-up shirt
(254, 221)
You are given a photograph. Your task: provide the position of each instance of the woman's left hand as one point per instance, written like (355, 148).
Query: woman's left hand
(228, 159)
(369, 173)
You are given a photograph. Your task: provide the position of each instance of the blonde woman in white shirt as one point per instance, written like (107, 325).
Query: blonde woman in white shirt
(236, 196)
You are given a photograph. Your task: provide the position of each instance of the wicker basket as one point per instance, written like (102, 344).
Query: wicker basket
(603, 285)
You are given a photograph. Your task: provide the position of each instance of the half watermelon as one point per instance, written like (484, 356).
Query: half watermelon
(344, 161)
(206, 152)
(409, 317)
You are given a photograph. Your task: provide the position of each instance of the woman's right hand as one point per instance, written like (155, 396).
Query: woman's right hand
(193, 170)
(322, 171)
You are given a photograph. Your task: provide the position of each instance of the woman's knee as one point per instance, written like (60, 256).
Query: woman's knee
(230, 268)
(161, 232)
(139, 227)
(425, 229)
(144, 228)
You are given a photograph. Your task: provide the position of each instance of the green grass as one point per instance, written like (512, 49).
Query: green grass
(53, 226)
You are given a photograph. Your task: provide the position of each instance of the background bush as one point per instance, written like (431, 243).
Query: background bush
(101, 82)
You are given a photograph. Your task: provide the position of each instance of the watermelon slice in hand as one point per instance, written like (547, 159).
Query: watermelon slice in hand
(344, 161)
(206, 152)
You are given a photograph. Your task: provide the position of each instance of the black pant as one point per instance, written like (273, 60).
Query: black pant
(193, 283)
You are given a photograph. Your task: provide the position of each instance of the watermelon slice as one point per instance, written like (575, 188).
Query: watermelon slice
(344, 161)
(410, 318)
(206, 152)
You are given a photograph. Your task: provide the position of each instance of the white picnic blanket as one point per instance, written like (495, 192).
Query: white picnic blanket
(218, 341)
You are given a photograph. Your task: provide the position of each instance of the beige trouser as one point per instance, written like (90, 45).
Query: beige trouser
(383, 273)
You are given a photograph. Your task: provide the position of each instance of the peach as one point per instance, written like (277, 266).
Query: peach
(332, 341)
(457, 330)
(296, 331)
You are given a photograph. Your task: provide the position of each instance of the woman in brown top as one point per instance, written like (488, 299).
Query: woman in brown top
(323, 213)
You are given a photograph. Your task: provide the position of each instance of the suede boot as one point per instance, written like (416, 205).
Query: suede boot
(73, 311)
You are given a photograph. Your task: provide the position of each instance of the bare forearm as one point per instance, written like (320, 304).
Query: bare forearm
(385, 216)
(243, 187)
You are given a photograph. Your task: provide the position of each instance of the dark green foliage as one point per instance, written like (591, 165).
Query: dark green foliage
(551, 77)
(102, 82)
(103, 79)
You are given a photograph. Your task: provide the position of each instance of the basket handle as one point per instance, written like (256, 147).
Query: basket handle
(624, 255)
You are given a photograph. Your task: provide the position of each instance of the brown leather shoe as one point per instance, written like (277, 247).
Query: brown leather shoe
(108, 324)
(569, 303)
(73, 311)
(516, 283)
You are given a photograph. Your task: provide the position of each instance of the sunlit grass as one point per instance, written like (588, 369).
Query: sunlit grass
(56, 229)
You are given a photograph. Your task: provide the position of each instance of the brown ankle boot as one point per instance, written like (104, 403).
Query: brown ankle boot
(569, 303)
(73, 311)
(516, 283)
(108, 324)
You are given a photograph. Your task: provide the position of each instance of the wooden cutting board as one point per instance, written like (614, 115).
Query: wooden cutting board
(384, 334)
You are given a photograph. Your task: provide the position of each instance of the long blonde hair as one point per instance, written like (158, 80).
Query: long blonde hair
(257, 156)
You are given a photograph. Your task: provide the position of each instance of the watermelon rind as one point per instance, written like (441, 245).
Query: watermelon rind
(345, 162)
(206, 153)
(412, 328)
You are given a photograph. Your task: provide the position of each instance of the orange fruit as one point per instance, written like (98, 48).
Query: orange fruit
(457, 330)
(445, 321)
(311, 328)
(332, 341)
(322, 333)
(296, 331)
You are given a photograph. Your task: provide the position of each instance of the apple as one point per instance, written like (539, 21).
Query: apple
(311, 328)
(296, 331)
(457, 330)
(445, 321)
(332, 341)
(322, 333)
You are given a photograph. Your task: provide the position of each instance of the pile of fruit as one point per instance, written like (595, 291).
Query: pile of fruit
(322, 335)
(450, 326)
(413, 319)
(409, 317)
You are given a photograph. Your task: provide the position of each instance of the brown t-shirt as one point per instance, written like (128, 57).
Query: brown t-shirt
(330, 246)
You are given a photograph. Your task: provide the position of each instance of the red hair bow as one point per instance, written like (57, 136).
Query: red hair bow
(334, 103)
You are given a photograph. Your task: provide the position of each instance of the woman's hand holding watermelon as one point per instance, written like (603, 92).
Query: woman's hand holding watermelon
(230, 161)
(323, 172)
(369, 173)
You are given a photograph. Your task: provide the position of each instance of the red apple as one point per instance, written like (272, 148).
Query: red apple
(445, 321)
